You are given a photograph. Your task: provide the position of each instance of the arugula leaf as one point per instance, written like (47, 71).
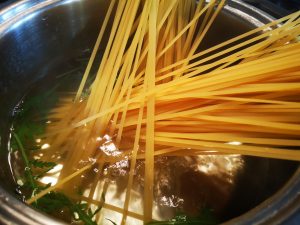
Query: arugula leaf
(40, 103)
(27, 171)
(96, 211)
(27, 127)
(53, 201)
(42, 164)
(27, 131)
(28, 116)
(83, 216)
(111, 221)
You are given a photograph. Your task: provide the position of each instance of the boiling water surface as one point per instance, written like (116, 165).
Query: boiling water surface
(185, 185)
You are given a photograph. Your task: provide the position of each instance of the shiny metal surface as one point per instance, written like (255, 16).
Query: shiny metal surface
(19, 10)
(38, 35)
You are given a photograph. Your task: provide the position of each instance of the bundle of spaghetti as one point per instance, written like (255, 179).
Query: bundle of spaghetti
(155, 93)
(224, 102)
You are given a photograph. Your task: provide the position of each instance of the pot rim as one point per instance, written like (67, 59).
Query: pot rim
(286, 200)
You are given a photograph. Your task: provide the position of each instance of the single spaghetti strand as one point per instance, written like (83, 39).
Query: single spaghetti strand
(58, 184)
(150, 76)
(94, 52)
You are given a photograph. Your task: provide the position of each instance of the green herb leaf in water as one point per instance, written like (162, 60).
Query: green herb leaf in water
(111, 221)
(42, 164)
(82, 215)
(27, 121)
(53, 201)
(205, 218)
(27, 128)
(56, 201)
(28, 172)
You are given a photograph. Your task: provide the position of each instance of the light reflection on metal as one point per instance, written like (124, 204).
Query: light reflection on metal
(16, 14)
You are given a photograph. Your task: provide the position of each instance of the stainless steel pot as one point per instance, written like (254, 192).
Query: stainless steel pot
(38, 35)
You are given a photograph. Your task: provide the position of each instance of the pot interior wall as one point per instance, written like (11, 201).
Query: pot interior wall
(37, 45)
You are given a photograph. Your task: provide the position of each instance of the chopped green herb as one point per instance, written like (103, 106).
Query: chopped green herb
(41, 164)
(27, 119)
(206, 217)
(111, 221)
(53, 201)
(27, 170)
